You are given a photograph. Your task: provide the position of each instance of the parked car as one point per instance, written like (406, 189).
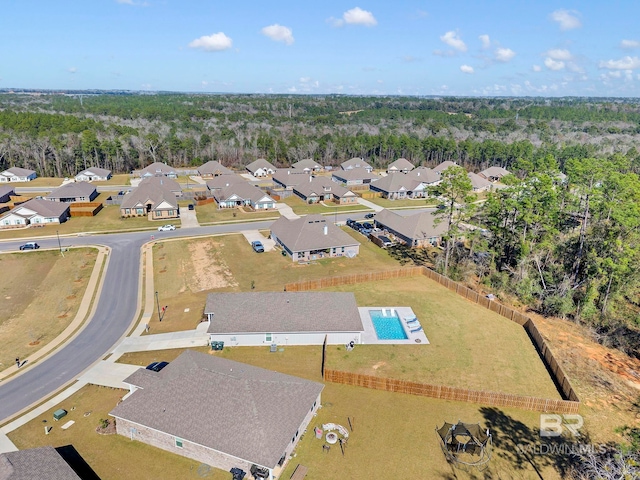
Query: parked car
(257, 246)
(368, 225)
(30, 246)
(259, 472)
(192, 206)
(157, 366)
(350, 222)
(166, 228)
(386, 241)
(370, 215)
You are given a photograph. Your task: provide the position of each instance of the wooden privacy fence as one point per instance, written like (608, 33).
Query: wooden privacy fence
(353, 279)
(452, 393)
(85, 209)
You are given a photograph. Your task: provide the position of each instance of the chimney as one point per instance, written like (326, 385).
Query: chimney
(325, 230)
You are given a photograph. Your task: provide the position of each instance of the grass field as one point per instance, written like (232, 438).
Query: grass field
(119, 179)
(185, 271)
(391, 432)
(210, 213)
(39, 182)
(300, 207)
(419, 202)
(40, 292)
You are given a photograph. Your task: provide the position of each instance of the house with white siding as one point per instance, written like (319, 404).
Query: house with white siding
(261, 168)
(243, 194)
(213, 169)
(35, 212)
(158, 169)
(323, 189)
(396, 186)
(356, 163)
(93, 174)
(73, 192)
(401, 165)
(307, 165)
(355, 176)
(17, 174)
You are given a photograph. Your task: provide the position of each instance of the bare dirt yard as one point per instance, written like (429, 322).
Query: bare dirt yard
(40, 292)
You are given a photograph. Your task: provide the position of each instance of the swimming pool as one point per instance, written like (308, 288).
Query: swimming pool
(387, 325)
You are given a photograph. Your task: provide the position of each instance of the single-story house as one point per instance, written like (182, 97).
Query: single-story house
(32, 463)
(223, 181)
(356, 163)
(283, 318)
(17, 174)
(494, 174)
(213, 169)
(35, 212)
(219, 412)
(312, 237)
(290, 178)
(398, 186)
(355, 176)
(480, 184)
(93, 174)
(323, 189)
(443, 166)
(243, 195)
(6, 191)
(401, 165)
(158, 169)
(152, 198)
(307, 165)
(426, 175)
(73, 192)
(417, 230)
(261, 168)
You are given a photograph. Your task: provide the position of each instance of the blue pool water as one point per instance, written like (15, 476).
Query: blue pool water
(387, 327)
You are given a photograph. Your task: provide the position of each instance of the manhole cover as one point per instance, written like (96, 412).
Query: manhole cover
(418, 340)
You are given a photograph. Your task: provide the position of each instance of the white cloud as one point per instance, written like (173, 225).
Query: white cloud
(215, 42)
(466, 68)
(356, 16)
(278, 33)
(452, 39)
(537, 68)
(486, 41)
(305, 79)
(566, 19)
(629, 44)
(552, 64)
(72, 70)
(504, 54)
(559, 54)
(126, 2)
(625, 63)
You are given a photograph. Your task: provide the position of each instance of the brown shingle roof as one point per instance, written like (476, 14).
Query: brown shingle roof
(283, 312)
(478, 182)
(100, 172)
(307, 233)
(223, 181)
(36, 463)
(154, 190)
(214, 168)
(401, 164)
(425, 175)
(497, 172)
(241, 410)
(260, 163)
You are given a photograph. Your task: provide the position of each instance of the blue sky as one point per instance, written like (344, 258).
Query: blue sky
(517, 47)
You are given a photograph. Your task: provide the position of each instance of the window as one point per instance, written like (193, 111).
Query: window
(127, 211)
(267, 337)
(170, 212)
(178, 442)
(139, 211)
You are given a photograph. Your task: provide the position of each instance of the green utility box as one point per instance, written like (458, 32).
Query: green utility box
(58, 414)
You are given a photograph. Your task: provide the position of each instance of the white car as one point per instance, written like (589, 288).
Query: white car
(166, 228)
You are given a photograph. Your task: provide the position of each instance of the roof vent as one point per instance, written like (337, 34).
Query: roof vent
(326, 229)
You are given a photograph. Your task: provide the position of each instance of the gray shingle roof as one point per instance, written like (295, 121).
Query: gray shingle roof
(100, 172)
(494, 172)
(223, 181)
(396, 182)
(355, 174)
(401, 164)
(158, 168)
(214, 168)
(35, 463)
(355, 163)
(241, 410)
(155, 190)
(283, 312)
(320, 186)
(73, 190)
(307, 233)
(290, 177)
(243, 190)
(44, 208)
(260, 163)
(306, 163)
(20, 172)
(424, 174)
(6, 190)
(443, 166)
(419, 226)
(478, 182)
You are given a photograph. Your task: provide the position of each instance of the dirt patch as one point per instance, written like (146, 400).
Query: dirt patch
(71, 297)
(34, 343)
(378, 365)
(208, 270)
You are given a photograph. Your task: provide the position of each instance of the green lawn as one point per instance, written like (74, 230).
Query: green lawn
(210, 213)
(300, 207)
(39, 182)
(420, 202)
(119, 179)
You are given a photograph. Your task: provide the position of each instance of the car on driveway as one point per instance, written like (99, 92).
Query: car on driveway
(257, 246)
(157, 366)
(30, 246)
(166, 228)
(386, 241)
(192, 206)
(367, 225)
(370, 215)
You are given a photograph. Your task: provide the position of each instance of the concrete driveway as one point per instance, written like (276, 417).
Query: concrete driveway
(286, 211)
(188, 218)
(254, 235)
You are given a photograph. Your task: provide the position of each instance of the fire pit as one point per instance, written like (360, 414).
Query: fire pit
(332, 438)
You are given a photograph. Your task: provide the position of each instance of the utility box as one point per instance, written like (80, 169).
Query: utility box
(58, 414)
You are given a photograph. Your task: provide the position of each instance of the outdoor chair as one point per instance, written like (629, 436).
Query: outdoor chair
(417, 329)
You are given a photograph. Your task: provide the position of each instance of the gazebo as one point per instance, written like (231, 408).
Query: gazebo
(465, 445)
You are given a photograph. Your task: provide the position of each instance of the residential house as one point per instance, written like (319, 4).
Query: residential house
(283, 318)
(41, 463)
(93, 174)
(312, 237)
(153, 198)
(307, 165)
(355, 176)
(397, 186)
(494, 174)
(6, 191)
(166, 183)
(426, 175)
(243, 195)
(35, 212)
(323, 189)
(443, 166)
(223, 181)
(289, 178)
(17, 174)
(356, 163)
(218, 412)
(416, 230)
(73, 192)
(480, 184)
(261, 168)
(401, 165)
(158, 169)
(213, 169)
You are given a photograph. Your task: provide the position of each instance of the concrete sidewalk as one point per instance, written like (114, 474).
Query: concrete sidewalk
(162, 341)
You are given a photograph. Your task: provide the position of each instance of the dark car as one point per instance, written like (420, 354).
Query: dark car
(259, 472)
(370, 215)
(30, 246)
(257, 246)
(386, 241)
(350, 222)
(368, 225)
(192, 206)
(157, 366)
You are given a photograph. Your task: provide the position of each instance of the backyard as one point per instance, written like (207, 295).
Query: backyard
(300, 207)
(40, 292)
